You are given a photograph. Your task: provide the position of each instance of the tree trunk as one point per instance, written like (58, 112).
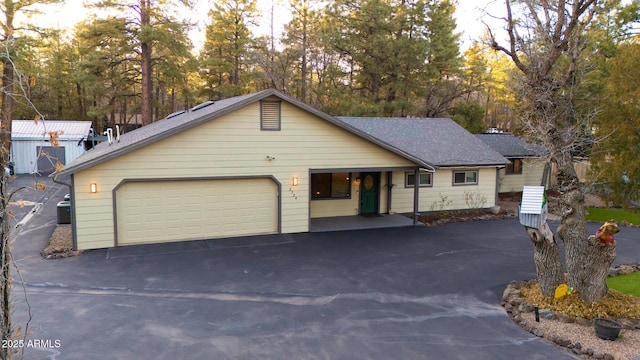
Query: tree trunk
(547, 259)
(5, 273)
(599, 257)
(145, 67)
(588, 260)
(5, 143)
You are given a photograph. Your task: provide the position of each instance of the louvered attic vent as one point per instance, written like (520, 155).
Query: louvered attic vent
(269, 115)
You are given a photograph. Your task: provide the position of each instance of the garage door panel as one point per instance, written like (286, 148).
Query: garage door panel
(162, 211)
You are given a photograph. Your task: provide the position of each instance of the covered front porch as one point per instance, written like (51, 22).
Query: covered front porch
(357, 222)
(351, 199)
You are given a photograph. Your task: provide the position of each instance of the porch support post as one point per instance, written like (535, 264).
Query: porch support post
(389, 187)
(416, 192)
(497, 199)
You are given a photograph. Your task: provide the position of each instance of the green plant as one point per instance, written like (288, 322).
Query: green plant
(604, 214)
(626, 283)
(475, 199)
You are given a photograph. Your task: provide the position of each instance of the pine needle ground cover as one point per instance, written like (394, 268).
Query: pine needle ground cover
(619, 215)
(627, 283)
(614, 305)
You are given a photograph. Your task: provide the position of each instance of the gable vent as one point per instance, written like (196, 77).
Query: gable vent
(270, 115)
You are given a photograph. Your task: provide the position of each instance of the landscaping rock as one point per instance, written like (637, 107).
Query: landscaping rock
(582, 321)
(525, 307)
(547, 314)
(565, 318)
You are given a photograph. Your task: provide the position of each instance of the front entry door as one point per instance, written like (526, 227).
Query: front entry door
(369, 193)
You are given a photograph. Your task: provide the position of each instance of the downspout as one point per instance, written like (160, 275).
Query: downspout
(55, 180)
(497, 186)
(389, 188)
(416, 192)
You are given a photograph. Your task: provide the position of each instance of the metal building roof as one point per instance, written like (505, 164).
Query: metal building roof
(39, 130)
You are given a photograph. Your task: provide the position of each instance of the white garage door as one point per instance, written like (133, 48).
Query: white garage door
(162, 211)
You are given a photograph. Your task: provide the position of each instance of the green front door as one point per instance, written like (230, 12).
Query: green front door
(369, 192)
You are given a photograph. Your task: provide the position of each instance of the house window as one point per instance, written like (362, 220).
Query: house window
(331, 186)
(269, 115)
(410, 179)
(465, 177)
(515, 167)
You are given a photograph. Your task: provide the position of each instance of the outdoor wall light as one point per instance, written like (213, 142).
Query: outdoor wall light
(93, 188)
(294, 181)
(357, 181)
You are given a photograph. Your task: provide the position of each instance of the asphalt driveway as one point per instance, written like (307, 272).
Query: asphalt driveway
(410, 293)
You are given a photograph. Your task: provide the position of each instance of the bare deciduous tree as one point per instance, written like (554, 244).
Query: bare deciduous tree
(546, 42)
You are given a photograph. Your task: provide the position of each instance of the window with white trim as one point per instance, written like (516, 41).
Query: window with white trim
(270, 115)
(425, 179)
(466, 177)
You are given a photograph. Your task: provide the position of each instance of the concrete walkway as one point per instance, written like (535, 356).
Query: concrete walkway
(341, 223)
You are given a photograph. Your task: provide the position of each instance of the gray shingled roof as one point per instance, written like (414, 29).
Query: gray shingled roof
(511, 146)
(437, 141)
(426, 142)
(166, 127)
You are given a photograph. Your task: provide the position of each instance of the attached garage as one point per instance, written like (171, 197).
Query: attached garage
(154, 211)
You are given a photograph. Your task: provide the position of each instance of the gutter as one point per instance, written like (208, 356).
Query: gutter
(54, 177)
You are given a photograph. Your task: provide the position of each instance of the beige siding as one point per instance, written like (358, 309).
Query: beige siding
(532, 171)
(232, 145)
(443, 195)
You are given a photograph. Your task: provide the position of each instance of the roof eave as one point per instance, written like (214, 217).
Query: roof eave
(476, 165)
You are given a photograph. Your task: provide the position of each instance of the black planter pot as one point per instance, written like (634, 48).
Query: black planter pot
(607, 329)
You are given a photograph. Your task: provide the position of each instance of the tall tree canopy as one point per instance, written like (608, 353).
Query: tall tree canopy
(616, 159)
(149, 34)
(395, 54)
(226, 69)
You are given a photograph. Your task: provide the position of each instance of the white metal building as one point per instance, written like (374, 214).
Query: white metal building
(31, 147)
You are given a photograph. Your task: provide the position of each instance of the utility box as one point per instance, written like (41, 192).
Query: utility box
(64, 212)
(532, 211)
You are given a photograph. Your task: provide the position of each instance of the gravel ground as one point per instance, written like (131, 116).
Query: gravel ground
(625, 347)
(60, 244)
